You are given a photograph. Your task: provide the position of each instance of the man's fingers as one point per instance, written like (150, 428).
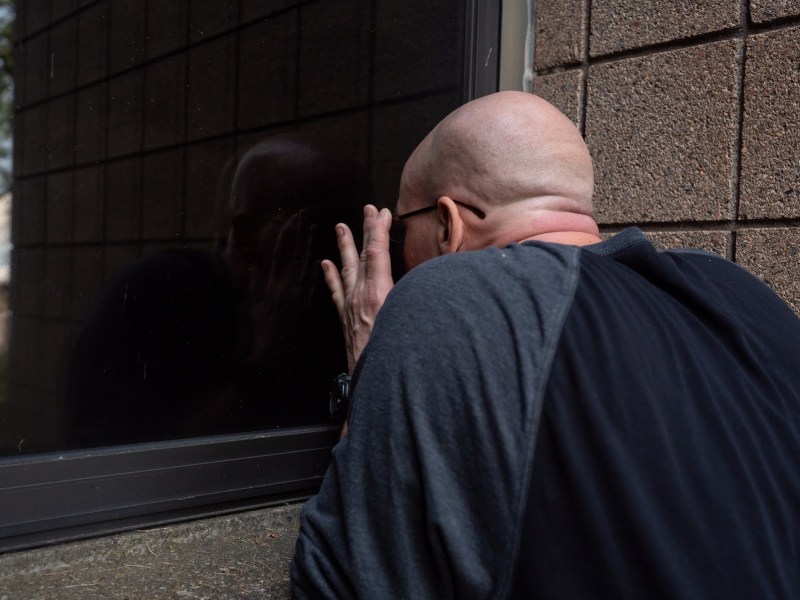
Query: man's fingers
(369, 215)
(376, 258)
(334, 282)
(349, 255)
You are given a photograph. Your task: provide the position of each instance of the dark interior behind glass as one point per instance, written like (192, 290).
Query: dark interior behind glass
(178, 169)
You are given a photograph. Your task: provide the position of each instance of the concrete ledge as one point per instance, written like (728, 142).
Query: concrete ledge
(246, 555)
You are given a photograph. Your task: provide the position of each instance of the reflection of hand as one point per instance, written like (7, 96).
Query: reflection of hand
(282, 289)
(361, 288)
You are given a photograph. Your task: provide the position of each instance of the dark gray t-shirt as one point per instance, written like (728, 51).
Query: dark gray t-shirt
(662, 464)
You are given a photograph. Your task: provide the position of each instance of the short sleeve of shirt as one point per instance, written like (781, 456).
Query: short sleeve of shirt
(424, 495)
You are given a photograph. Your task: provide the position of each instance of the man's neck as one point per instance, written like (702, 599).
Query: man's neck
(571, 238)
(562, 227)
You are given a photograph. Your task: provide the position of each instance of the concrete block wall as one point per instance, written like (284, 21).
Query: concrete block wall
(690, 112)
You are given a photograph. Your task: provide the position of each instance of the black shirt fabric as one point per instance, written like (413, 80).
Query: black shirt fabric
(546, 421)
(667, 458)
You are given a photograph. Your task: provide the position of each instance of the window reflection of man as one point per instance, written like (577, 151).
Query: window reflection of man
(285, 191)
(186, 343)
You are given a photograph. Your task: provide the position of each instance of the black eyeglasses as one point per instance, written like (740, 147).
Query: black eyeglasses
(398, 231)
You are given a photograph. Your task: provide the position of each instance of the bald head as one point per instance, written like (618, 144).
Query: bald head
(501, 149)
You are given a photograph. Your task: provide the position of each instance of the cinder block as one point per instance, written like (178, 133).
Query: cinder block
(624, 24)
(18, 198)
(770, 183)
(18, 131)
(37, 68)
(167, 26)
(717, 242)
(255, 9)
(559, 32)
(212, 70)
(209, 171)
(27, 275)
(344, 136)
(116, 258)
(87, 224)
(396, 130)
(63, 38)
(61, 132)
(20, 23)
(34, 145)
(767, 10)
(60, 199)
(151, 248)
(26, 347)
(563, 90)
(203, 246)
(165, 104)
(773, 255)
(37, 15)
(127, 36)
(210, 17)
(29, 200)
(416, 47)
(19, 55)
(32, 418)
(62, 8)
(662, 129)
(125, 113)
(90, 135)
(334, 56)
(11, 298)
(93, 28)
(87, 279)
(57, 285)
(267, 79)
(163, 191)
(52, 376)
(123, 199)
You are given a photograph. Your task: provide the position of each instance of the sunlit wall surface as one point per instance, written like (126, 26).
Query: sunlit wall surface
(178, 168)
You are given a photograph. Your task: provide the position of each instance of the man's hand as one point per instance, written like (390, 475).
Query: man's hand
(361, 288)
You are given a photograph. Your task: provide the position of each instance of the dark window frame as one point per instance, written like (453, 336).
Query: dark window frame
(58, 496)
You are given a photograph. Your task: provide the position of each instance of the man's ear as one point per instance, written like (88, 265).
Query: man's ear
(450, 232)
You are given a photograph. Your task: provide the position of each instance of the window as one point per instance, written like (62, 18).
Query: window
(178, 168)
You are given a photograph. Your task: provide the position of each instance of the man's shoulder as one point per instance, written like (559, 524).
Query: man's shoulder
(529, 268)
(527, 253)
(445, 302)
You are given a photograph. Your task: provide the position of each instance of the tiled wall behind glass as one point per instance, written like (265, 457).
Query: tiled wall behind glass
(131, 116)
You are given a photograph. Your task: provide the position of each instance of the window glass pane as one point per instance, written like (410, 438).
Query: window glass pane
(178, 168)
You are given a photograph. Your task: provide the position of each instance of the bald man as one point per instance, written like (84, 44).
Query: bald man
(537, 413)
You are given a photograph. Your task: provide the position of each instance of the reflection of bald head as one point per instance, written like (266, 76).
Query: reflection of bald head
(504, 148)
(292, 171)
